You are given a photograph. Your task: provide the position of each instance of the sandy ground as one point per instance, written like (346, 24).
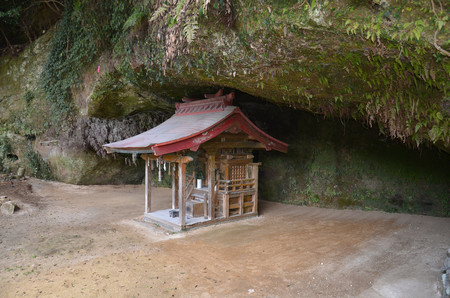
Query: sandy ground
(90, 241)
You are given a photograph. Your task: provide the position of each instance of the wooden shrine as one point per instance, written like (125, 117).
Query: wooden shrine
(224, 139)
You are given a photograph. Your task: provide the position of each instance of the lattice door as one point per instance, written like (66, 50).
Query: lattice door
(238, 172)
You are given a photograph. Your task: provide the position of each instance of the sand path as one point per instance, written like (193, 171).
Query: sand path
(90, 241)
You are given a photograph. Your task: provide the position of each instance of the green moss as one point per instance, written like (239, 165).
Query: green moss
(5, 149)
(88, 168)
(343, 203)
(87, 28)
(346, 166)
(297, 54)
(39, 168)
(302, 55)
(71, 168)
(112, 97)
(17, 152)
(114, 171)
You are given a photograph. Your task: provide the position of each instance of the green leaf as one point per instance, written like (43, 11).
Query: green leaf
(418, 126)
(435, 133)
(419, 23)
(439, 116)
(378, 33)
(159, 12)
(417, 33)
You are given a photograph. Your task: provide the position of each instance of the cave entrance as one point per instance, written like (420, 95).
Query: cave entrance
(224, 139)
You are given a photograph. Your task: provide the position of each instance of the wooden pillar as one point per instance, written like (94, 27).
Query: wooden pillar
(148, 185)
(174, 186)
(255, 168)
(226, 205)
(211, 183)
(241, 204)
(181, 194)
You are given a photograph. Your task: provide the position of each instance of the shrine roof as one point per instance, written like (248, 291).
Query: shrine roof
(195, 122)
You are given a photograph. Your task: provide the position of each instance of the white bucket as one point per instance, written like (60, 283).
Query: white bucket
(199, 183)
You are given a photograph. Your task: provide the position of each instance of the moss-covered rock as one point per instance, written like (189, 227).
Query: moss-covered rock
(381, 63)
(341, 164)
(82, 167)
(371, 61)
(21, 100)
(67, 152)
(114, 97)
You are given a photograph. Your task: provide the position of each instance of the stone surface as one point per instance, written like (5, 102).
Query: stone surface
(3, 199)
(8, 208)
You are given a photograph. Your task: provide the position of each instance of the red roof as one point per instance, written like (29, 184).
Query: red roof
(195, 122)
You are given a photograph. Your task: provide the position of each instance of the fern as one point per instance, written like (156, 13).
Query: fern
(190, 29)
(159, 12)
(180, 5)
(176, 24)
(134, 19)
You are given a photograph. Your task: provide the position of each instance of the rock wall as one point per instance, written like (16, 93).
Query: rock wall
(381, 64)
(68, 151)
(339, 163)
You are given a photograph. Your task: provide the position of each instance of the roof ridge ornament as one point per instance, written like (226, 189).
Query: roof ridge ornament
(207, 96)
(213, 104)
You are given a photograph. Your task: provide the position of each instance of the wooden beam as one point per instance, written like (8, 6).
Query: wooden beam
(148, 186)
(211, 183)
(254, 174)
(226, 205)
(168, 157)
(174, 186)
(220, 145)
(241, 204)
(181, 195)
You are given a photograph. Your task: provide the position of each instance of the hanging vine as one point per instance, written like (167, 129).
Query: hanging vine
(175, 24)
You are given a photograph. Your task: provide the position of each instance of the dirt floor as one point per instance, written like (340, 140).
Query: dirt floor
(72, 241)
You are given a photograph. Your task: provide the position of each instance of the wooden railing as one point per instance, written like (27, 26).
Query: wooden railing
(235, 186)
(237, 197)
(189, 185)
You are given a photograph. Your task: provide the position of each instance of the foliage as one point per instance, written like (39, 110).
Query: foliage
(396, 93)
(171, 26)
(28, 96)
(5, 149)
(22, 21)
(366, 60)
(39, 167)
(86, 30)
(388, 73)
(33, 160)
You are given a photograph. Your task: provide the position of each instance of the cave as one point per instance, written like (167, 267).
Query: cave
(358, 89)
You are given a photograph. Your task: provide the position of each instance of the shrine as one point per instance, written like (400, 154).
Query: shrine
(224, 139)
